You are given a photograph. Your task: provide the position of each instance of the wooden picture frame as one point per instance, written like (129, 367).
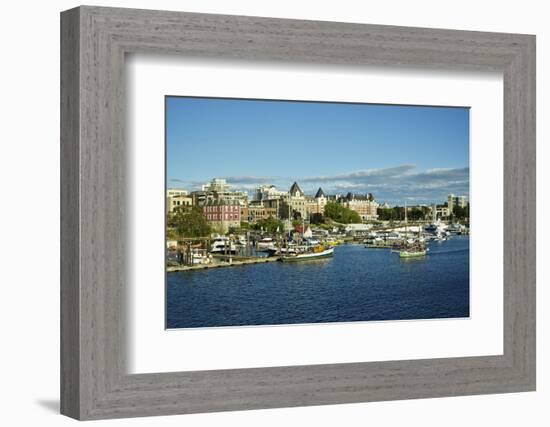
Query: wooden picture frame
(94, 382)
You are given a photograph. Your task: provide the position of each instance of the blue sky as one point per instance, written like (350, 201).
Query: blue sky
(399, 153)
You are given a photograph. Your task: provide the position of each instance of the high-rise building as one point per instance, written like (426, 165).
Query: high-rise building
(218, 185)
(268, 192)
(453, 201)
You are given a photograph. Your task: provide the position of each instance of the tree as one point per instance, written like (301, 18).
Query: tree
(415, 214)
(245, 225)
(397, 213)
(271, 225)
(461, 213)
(339, 213)
(317, 218)
(233, 230)
(386, 214)
(189, 222)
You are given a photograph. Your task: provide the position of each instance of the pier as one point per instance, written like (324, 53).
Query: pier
(223, 261)
(383, 245)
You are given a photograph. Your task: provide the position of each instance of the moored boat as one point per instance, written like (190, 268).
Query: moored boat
(306, 253)
(265, 245)
(223, 245)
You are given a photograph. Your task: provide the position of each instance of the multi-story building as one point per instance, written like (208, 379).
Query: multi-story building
(222, 214)
(257, 211)
(268, 192)
(453, 201)
(217, 189)
(442, 212)
(296, 201)
(177, 198)
(217, 185)
(171, 192)
(316, 205)
(364, 205)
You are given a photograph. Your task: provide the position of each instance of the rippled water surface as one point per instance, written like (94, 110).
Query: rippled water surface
(358, 284)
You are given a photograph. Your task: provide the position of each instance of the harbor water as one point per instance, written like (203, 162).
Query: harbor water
(357, 284)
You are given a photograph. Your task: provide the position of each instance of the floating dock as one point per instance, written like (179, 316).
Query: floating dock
(382, 245)
(223, 261)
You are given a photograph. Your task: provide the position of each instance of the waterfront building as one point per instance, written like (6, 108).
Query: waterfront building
(453, 201)
(217, 185)
(218, 189)
(177, 198)
(222, 214)
(257, 211)
(316, 205)
(441, 211)
(364, 205)
(198, 197)
(297, 201)
(268, 192)
(171, 192)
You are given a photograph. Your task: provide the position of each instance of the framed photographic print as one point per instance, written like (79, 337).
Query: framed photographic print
(293, 187)
(262, 213)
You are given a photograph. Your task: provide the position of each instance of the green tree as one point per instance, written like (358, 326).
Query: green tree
(341, 214)
(386, 214)
(189, 222)
(317, 218)
(415, 214)
(461, 213)
(271, 225)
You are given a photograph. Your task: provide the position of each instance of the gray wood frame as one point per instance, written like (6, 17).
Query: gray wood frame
(94, 382)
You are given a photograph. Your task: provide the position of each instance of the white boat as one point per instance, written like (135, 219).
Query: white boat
(200, 256)
(222, 245)
(455, 228)
(440, 237)
(435, 228)
(266, 244)
(307, 253)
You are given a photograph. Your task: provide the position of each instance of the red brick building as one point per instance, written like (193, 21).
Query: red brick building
(222, 214)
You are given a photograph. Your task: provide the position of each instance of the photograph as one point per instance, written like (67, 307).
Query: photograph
(284, 212)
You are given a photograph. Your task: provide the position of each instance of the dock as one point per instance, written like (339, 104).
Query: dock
(223, 261)
(382, 245)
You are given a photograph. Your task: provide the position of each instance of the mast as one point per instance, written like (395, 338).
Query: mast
(406, 229)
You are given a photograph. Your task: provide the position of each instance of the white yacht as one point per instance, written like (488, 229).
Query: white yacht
(222, 245)
(265, 245)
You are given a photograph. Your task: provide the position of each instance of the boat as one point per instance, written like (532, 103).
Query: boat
(200, 256)
(440, 237)
(266, 244)
(455, 228)
(413, 252)
(307, 253)
(431, 228)
(412, 247)
(222, 245)
(435, 228)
